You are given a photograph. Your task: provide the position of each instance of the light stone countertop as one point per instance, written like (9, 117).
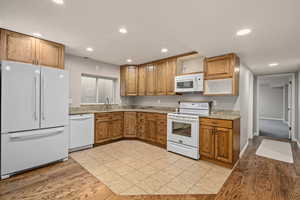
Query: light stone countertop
(224, 116)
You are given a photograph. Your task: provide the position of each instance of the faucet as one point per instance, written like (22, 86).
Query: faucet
(107, 103)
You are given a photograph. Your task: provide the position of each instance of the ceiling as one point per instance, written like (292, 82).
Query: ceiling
(206, 26)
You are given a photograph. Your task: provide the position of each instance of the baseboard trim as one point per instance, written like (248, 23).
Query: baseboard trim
(244, 149)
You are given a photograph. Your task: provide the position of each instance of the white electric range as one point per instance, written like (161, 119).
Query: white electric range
(183, 128)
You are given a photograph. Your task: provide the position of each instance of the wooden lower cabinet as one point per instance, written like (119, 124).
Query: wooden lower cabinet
(102, 131)
(207, 139)
(149, 127)
(223, 145)
(108, 126)
(130, 124)
(220, 141)
(141, 125)
(155, 128)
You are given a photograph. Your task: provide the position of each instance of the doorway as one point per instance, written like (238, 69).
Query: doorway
(275, 106)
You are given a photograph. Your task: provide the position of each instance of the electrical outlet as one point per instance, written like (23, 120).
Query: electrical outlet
(158, 101)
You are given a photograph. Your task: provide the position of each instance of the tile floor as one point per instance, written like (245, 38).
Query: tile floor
(132, 167)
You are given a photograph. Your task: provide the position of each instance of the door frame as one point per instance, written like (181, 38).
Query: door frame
(293, 117)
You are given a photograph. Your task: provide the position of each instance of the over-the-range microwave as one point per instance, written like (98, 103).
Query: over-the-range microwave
(189, 83)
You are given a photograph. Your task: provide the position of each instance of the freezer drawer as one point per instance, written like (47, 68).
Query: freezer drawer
(26, 150)
(81, 131)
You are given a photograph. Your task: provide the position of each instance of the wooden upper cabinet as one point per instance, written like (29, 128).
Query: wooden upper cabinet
(132, 81)
(161, 78)
(129, 80)
(170, 77)
(151, 80)
(223, 145)
(123, 75)
(130, 119)
(219, 67)
(24, 48)
(50, 54)
(17, 47)
(142, 80)
(207, 141)
(221, 74)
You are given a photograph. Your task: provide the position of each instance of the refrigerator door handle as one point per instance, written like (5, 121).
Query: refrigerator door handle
(43, 97)
(35, 93)
(40, 133)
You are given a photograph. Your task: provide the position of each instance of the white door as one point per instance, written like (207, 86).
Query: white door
(20, 106)
(54, 97)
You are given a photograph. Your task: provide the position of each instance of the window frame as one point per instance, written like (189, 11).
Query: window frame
(114, 80)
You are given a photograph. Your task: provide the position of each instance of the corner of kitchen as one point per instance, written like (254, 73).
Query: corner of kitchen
(165, 106)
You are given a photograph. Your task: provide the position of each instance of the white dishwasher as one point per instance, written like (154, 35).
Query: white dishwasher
(81, 132)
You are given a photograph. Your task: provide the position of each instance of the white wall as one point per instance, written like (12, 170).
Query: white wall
(298, 107)
(271, 102)
(78, 65)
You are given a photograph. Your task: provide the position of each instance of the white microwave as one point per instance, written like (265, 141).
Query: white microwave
(189, 83)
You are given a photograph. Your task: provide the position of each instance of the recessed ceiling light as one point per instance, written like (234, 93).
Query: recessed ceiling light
(129, 60)
(90, 49)
(123, 30)
(273, 64)
(37, 34)
(164, 50)
(60, 2)
(243, 32)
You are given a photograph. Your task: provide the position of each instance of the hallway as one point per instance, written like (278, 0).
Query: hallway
(273, 128)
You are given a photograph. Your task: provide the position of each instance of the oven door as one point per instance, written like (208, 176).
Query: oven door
(184, 131)
(184, 84)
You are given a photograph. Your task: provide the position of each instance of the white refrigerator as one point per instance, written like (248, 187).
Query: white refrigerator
(34, 116)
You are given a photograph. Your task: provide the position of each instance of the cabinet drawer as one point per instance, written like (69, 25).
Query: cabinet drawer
(216, 122)
(161, 116)
(117, 116)
(103, 116)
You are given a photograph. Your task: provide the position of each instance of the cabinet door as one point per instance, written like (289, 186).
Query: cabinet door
(102, 131)
(151, 127)
(151, 80)
(218, 67)
(223, 144)
(131, 81)
(117, 129)
(161, 78)
(142, 80)
(50, 54)
(17, 47)
(123, 75)
(207, 141)
(171, 73)
(161, 129)
(130, 124)
(141, 125)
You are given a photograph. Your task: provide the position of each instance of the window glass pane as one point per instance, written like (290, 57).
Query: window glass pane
(88, 90)
(105, 90)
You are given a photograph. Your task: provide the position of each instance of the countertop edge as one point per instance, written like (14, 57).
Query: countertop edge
(217, 116)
